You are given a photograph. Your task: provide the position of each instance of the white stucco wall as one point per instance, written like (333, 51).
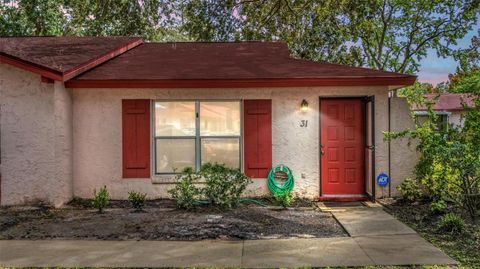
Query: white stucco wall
(403, 154)
(35, 139)
(97, 134)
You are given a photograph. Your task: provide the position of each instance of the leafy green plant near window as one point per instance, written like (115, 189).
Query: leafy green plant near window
(100, 199)
(137, 200)
(223, 185)
(186, 193)
(215, 184)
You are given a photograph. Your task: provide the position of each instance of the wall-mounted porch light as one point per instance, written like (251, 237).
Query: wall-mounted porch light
(304, 106)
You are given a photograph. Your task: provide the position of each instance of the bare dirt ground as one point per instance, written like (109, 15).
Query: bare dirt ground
(161, 221)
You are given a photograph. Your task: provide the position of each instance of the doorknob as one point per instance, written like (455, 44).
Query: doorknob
(322, 152)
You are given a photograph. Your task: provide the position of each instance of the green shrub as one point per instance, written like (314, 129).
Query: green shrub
(137, 199)
(410, 189)
(449, 156)
(284, 199)
(438, 207)
(185, 192)
(223, 185)
(451, 223)
(100, 199)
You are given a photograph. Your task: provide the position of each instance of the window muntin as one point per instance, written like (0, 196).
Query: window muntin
(189, 133)
(441, 121)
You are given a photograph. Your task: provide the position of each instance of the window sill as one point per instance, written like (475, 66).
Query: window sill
(163, 179)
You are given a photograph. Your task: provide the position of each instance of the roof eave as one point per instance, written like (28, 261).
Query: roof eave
(241, 83)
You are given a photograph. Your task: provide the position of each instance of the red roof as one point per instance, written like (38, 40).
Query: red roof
(126, 62)
(61, 58)
(448, 102)
(191, 64)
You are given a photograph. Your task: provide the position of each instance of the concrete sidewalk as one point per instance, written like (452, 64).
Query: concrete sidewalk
(376, 239)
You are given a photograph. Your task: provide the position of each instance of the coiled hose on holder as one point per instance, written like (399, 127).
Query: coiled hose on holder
(274, 186)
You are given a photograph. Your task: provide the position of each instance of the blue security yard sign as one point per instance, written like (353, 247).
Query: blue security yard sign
(383, 180)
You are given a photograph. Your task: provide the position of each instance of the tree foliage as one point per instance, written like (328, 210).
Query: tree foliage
(384, 34)
(449, 158)
(151, 19)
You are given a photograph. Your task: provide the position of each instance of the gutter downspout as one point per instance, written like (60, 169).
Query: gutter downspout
(390, 96)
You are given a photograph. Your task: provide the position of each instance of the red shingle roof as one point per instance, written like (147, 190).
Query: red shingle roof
(62, 57)
(175, 63)
(448, 102)
(126, 62)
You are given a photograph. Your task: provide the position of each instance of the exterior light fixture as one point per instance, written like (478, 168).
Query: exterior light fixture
(304, 106)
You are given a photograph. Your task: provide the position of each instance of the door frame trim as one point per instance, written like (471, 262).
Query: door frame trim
(364, 99)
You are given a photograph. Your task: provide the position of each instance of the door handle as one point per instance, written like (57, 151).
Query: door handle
(322, 152)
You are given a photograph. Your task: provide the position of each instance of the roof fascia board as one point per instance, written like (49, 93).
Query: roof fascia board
(31, 67)
(242, 83)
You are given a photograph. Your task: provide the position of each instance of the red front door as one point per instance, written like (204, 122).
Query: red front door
(342, 146)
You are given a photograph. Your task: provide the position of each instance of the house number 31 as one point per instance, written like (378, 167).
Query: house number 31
(304, 123)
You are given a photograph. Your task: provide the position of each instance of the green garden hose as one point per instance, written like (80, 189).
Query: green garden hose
(277, 188)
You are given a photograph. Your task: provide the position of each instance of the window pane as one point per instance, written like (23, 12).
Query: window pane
(221, 150)
(174, 154)
(175, 118)
(220, 118)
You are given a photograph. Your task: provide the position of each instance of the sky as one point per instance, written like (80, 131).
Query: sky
(435, 69)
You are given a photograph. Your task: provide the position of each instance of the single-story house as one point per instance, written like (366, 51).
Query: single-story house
(78, 113)
(449, 107)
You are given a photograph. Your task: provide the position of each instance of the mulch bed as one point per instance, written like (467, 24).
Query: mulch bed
(464, 247)
(161, 221)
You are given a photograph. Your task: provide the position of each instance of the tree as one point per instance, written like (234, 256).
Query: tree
(384, 34)
(469, 58)
(31, 18)
(151, 19)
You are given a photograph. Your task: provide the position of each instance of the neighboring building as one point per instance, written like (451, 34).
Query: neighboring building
(80, 113)
(448, 106)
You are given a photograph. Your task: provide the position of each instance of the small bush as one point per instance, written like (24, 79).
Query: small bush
(410, 190)
(100, 199)
(438, 207)
(284, 199)
(451, 223)
(137, 199)
(223, 185)
(185, 192)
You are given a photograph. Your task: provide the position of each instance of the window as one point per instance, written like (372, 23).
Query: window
(441, 121)
(189, 133)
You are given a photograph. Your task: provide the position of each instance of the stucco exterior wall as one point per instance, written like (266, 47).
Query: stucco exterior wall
(35, 139)
(97, 135)
(403, 154)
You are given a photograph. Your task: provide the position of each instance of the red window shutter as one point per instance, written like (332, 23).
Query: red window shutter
(257, 123)
(136, 138)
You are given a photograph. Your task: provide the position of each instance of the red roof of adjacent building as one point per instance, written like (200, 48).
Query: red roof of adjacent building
(62, 58)
(447, 102)
(126, 62)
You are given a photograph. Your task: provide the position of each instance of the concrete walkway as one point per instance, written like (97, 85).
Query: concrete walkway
(376, 239)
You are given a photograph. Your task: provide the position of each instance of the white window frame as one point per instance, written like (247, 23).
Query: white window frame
(197, 137)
